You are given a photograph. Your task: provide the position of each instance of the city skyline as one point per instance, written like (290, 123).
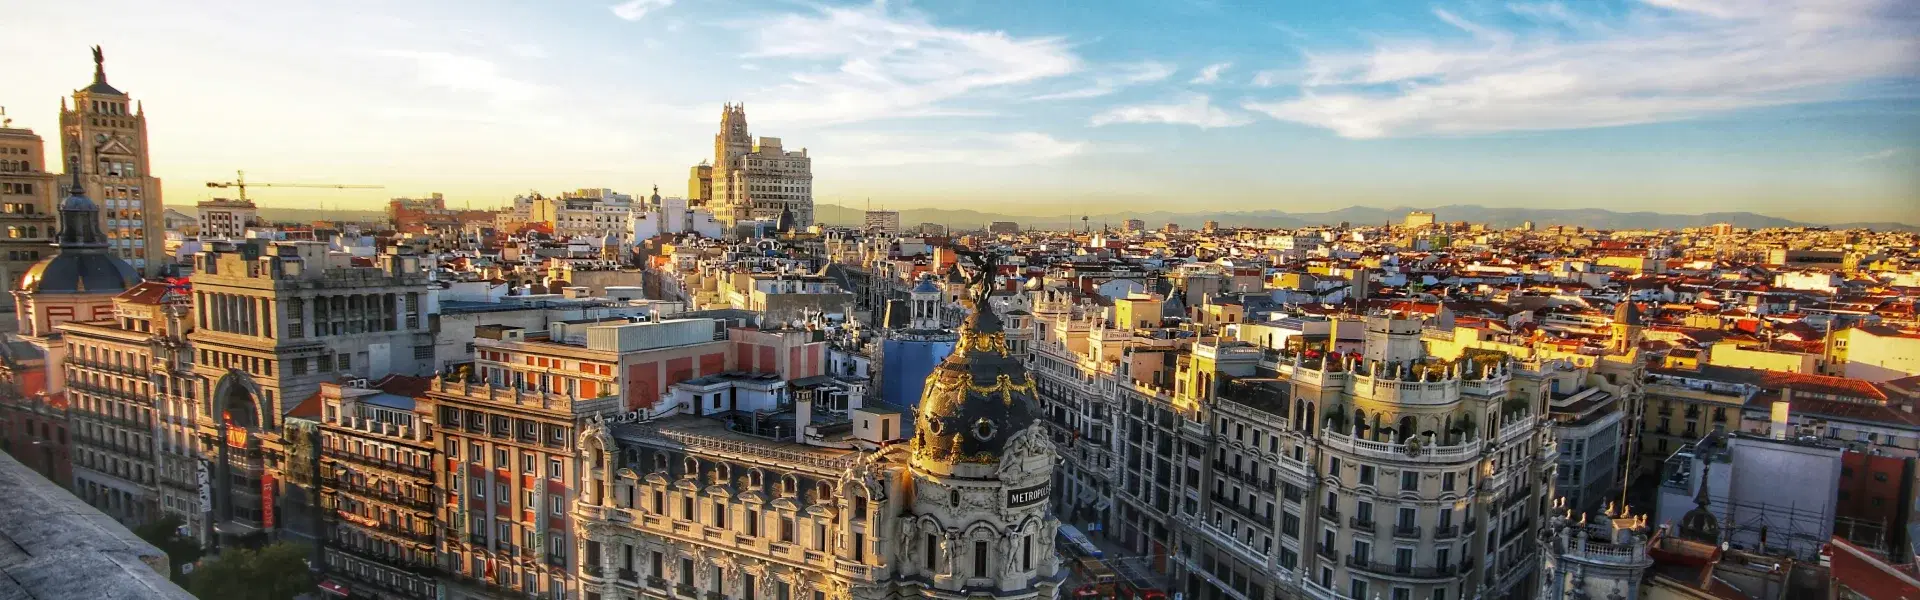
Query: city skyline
(1801, 111)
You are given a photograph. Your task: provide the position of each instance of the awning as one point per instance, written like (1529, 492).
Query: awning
(335, 589)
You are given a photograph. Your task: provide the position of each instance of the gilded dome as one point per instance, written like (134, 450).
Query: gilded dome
(977, 399)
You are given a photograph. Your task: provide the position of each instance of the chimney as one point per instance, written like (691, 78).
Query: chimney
(1780, 412)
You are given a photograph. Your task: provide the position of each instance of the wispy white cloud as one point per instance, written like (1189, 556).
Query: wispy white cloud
(1193, 109)
(1878, 156)
(1667, 60)
(1115, 79)
(875, 62)
(986, 150)
(1479, 31)
(634, 10)
(469, 74)
(1210, 74)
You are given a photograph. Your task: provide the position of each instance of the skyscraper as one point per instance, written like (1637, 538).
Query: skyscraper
(755, 179)
(105, 134)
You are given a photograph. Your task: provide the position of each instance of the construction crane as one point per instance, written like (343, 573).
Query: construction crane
(240, 181)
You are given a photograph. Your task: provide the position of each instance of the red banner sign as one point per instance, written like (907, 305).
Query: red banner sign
(266, 500)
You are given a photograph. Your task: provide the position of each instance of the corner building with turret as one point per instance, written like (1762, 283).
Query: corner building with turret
(805, 491)
(1307, 467)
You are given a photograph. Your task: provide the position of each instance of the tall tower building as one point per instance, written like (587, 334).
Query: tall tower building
(105, 134)
(26, 203)
(754, 179)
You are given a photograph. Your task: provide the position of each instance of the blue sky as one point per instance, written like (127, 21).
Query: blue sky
(1798, 108)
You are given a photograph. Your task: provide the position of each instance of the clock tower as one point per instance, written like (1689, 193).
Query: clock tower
(104, 132)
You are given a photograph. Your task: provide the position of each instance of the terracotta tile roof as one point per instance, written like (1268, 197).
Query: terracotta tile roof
(147, 292)
(1821, 384)
(1859, 572)
(308, 408)
(1836, 409)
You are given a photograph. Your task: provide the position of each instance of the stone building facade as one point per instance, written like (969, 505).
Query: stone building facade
(26, 203)
(104, 138)
(1253, 473)
(702, 503)
(754, 179)
(379, 488)
(273, 321)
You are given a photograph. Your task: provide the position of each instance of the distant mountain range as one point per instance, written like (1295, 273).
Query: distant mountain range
(1592, 218)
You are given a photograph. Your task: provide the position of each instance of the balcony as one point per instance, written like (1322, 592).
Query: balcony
(593, 570)
(1361, 525)
(1402, 571)
(1446, 533)
(1517, 532)
(340, 485)
(684, 590)
(1327, 552)
(1406, 532)
(384, 465)
(1470, 526)
(629, 575)
(1330, 513)
(657, 582)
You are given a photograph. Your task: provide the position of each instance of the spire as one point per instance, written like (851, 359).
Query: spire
(1700, 498)
(79, 217)
(99, 66)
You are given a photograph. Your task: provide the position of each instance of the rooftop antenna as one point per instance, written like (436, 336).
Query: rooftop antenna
(5, 121)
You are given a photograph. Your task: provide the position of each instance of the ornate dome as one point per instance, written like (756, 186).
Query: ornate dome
(980, 397)
(1699, 524)
(785, 224)
(82, 265)
(926, 286)
(1628, 313)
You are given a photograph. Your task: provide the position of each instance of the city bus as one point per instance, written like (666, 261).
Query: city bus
(1076, 543)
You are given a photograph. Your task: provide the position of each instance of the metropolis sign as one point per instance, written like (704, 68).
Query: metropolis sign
(1028, 495)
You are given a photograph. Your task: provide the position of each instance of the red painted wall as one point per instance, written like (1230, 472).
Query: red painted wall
(643, 385)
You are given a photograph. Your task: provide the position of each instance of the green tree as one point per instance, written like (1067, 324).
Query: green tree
(165, 535)
(275, 572)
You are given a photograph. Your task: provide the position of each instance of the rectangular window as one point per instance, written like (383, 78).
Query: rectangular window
(932, 555)
(1409, 481)
(1366, 474)
(1446, 482)
(719, 514)
(980, 559)
(753, 523)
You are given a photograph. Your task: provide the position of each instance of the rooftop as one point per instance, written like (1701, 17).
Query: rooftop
(56, 546)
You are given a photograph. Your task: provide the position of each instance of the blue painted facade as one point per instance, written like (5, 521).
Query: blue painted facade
(905, 365)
